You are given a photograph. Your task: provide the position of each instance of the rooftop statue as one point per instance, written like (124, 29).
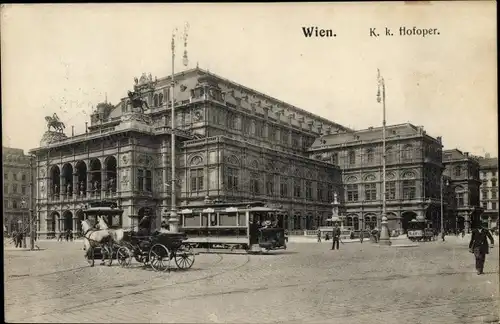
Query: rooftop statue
(54, 122)
(137, 101)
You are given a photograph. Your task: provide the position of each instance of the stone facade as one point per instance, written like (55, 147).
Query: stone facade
(413, 160)
(489, 189)
(463, 171)
(233, 144)
(16, 181)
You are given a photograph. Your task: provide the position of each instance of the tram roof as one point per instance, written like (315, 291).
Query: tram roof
(226, 204)
(103, 211)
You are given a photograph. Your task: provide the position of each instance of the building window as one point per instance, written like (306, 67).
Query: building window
(494, 205)
(140, 179)
(254, 185)
(149, 181)
(485, 205)
(23, 177)
(23, 190)
(407, 153)
(14, 188)
(14, 176)
(389, 155)
(370, 191)
(352, 192)
(296, 188)
(460, 199)
(232, 178)
(330, 193)
(155, 100)
(6, 203)
(196, 176)
(493, 194)
(309, 191)
(335, 159)
(321, 192)
(370, 156)
(14, 203)
(352, 157)
(160, 99)
(457, 171)
(5, 189)
(283, 188)
(409, 189)
(493, 182)
(485, 194)
(270, 186)
(390, 190)
(6, 176)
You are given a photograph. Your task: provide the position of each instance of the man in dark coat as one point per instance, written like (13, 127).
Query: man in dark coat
(335, 237)
(479, 246)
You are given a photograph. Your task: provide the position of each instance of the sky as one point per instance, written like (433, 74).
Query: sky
(66, 58)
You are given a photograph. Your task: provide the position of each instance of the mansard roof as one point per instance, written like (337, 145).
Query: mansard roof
(371, 134)
(488, 163)
(246, 98)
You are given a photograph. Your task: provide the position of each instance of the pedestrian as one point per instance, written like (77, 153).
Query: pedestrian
(463, 233)
(361, 236)
(20, 237)
(479, 245)
(60, 237)
(319, 235)
(335, 237)
(443, 235)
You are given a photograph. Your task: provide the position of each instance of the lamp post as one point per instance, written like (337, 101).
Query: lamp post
(173, 219)
(23, 206)
(384, 229)
(442, 207)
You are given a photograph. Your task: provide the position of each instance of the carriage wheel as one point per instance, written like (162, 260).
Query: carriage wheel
(159, 257)
(184, 257)
(124, 256)
(89, 255)
(107, 250)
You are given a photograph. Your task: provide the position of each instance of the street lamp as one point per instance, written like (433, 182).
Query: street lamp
(384, 229)
(23, 206)
(442, 207)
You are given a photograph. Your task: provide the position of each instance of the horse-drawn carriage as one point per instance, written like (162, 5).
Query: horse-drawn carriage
(109, 242)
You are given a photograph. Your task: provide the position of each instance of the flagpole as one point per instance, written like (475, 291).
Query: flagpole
(384, 229)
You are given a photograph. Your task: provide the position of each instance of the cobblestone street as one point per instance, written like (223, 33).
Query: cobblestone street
(362, 283)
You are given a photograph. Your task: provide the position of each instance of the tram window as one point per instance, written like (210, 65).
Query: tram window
(242, 219)
(204, 219)
(213, 219)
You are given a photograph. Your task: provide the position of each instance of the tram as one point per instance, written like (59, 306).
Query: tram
(223, 227)
(420, 230)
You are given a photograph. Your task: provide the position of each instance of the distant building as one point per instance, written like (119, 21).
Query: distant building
(413, 173)
(16, 172)
(463, 171)
(488, 168)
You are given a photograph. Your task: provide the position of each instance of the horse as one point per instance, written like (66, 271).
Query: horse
(137, 102)
(56, 124)
(93, 238)
(118, 234)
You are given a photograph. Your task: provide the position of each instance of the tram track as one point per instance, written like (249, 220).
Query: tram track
(137, 292)
(16, 277)
(71, 292)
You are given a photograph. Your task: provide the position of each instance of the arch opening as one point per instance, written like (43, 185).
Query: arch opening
(67, 221)
(67, 177)
(110, 167)
(55, 178)
(81, 175)
(95, 175)
(407, 217)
